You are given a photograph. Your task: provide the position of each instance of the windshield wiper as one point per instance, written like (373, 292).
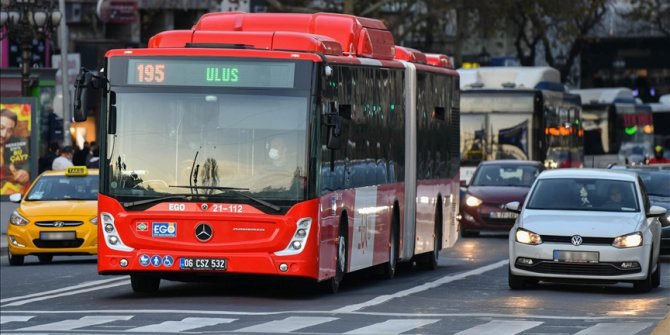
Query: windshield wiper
(148, 201)
(235, 190)
(193, 178)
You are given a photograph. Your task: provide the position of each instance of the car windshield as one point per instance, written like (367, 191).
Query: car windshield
(657, 183)
(249, 141)
(505, 175)
(50, 188)
(584, 195)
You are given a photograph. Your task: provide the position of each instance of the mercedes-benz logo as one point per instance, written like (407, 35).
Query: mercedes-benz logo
(576, 240)
(204, 207)
(59, 224)
(203, 232)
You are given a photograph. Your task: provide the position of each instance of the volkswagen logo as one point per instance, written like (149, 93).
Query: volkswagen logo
(576, 240)
(59, 224)
(203, 232)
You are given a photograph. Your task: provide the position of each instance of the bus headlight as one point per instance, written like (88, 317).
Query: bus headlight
(112, 239)
(297, 243)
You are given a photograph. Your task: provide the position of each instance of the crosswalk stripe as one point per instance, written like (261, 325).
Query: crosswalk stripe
(71, 324)
(14, 318)
(179, 326)
(499, 327)
(607, 328)
(286, 325)
(395, 326)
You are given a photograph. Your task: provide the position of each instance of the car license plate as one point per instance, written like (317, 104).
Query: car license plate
(503, 215)
(576, 256)
(57, 235)
(203, 264)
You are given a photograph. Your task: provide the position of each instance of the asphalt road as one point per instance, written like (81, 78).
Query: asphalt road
(467, 294)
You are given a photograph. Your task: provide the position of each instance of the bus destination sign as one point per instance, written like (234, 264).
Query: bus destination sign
(206, 72)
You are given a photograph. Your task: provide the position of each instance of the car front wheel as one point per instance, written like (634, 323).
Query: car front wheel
(519, 282)
(646, 284)
(15, 259)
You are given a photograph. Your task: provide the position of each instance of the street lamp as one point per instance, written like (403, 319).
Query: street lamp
(26, 20)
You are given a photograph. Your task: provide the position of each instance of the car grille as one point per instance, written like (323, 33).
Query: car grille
(58, 223)
(597, 269)
(585, 239)
(58, 244)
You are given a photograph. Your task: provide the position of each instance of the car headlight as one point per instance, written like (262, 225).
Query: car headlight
(527, 237)
(93, 220)
(472, 201)
(628, 241)
(17, 220)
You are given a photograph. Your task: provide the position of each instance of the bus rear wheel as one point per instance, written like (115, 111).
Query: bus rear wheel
(144, 283)
(428, 261)
(389, 269)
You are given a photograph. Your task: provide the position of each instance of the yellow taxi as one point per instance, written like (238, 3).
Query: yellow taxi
(58, 216)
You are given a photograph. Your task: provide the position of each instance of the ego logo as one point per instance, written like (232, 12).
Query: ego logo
(177, 207)
(164, 229)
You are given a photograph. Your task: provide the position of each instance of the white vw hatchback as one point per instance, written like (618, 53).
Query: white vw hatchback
(586, 225)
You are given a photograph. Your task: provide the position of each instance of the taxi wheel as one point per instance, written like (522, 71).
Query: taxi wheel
(45, 259)
(144, 284)
(14, 259)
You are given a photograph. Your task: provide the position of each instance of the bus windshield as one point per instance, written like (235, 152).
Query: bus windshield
(252, 140)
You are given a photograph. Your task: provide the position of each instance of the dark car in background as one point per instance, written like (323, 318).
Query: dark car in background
(494, 184)
(656, 179)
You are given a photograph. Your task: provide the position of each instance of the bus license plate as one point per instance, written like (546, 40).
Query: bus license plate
(576, 256)
(201, 264)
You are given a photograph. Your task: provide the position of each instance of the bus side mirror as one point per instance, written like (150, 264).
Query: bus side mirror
(87, 94)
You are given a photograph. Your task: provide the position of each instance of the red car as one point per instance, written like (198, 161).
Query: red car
(493, 184)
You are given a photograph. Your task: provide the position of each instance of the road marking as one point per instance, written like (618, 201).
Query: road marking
(19, 303)
(427, 286)
(74, 287)
(607, 328)
(287, 325)
(85, 321)
(499, 327)
(422, 315)
(15, 318)
(179, 326)
(393, 326)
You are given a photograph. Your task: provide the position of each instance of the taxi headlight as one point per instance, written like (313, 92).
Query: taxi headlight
(94, 220)
(628, 241)
(17, 220)
(527, 237)
(472, 201)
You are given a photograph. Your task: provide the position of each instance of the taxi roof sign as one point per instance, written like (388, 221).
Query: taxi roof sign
(74, 171)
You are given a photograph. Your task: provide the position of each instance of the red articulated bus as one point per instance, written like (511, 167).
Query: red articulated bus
(298, 145)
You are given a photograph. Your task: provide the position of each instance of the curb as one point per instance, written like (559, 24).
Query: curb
(662, 327)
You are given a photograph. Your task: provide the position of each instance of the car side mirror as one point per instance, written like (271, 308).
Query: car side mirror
(513, 207)
(16, 197)
(656, 211)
